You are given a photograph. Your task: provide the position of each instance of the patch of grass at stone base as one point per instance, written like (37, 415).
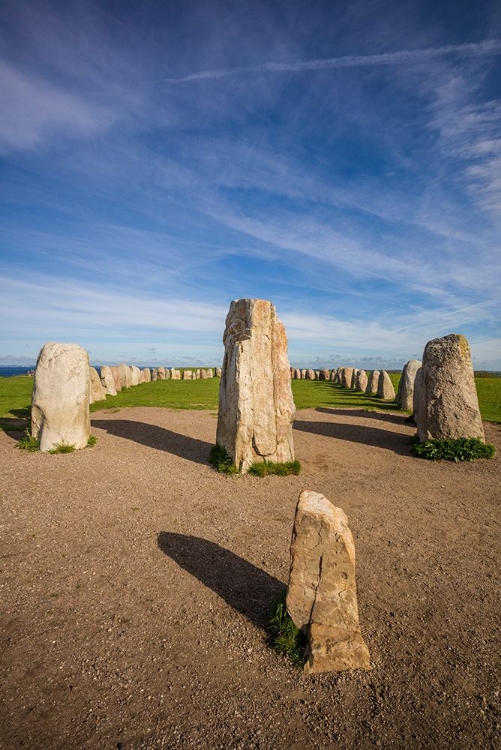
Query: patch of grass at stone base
(220, 459)
(458, 449)
(62, 448)
(269, 468)
(287, 639)
(28, 443)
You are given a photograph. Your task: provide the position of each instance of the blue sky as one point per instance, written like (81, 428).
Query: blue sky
(159, 159)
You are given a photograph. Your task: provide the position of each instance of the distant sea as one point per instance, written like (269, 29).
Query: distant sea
(8, 372)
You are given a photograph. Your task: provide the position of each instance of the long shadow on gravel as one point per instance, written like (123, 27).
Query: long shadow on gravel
(380, 438)
(244, 587)
(158, 438)
(367, 414)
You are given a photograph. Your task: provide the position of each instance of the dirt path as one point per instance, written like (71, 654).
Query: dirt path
(136, 584)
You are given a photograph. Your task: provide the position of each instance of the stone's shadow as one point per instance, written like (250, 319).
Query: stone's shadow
(249, 590)
(387, 440)
(157, 437)
(367, 414)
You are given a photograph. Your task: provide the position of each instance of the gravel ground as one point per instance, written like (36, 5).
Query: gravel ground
(136, 585)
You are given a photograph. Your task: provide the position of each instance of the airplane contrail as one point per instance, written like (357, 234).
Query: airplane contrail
(488, 47)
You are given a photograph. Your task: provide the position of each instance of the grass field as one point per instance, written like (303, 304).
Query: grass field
(15, 397)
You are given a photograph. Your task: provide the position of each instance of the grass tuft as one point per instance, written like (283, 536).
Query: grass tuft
(221, 460)
(62, 448)
(287, 638)
(91, 441)
(458, 449)
(267, 468)
(28, 443)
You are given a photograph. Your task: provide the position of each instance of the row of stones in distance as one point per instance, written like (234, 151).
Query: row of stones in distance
(377, 382)
(111, 379)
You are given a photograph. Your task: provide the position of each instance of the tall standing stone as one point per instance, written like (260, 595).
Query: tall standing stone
(447, 406)
(372, 383)
(256, 407)
(385, 389)
(108, 380)
(60, 399)
(405, 393)
(346, 377)
(116, 378)
(361, 381)
(97, 390)
(125, 375)
(321, 597)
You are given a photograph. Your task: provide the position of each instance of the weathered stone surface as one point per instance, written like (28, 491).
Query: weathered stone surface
(297, 373)
(372, 383)
(175, 374)
(154, 374)
(97, 391)
(197, 374)
(448, 402)
(385, 389)
(405, 394)
(321, 597)
(324, 374)
(161, 372)
(108, 380)
(347, 376)
(134, 375)
(303, 374)
(203, 374)
(310, 374)
(209, 372)
(125, 375)
(116, 378)
(146, 375)
(256, 407)
(141, 376)
(167, 373)
(60, 399)
(361, 381)
(187, 375)
(218, 372)
(354, 378)
(333, 376)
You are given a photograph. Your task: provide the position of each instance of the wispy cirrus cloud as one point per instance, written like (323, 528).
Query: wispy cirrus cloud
(400, 57)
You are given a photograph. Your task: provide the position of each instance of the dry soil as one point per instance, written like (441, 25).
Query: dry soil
(136, 585)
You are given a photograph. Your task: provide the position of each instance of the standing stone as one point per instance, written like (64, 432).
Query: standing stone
(60, 399)
(134, 375)
(125, 375)
(161, 373)
(97, 391)
(187, 375)
(310, 374)
(385, 389)
(108, 380)
(448, 402)
(154, 374)
(175, 374)
(167, 373)
(256, 407)
(116, 378)
(354, 378)
(297, 373)
(203, 374)
(218, 372)
(146, 375)
(197, 374)
(303, 374)
(322, 597)
(405, 394)
(141, 376)
(347, 376)
(361, 381)
(372, 383)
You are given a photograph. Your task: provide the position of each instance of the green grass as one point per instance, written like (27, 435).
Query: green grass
(28, 443)
(286, 638)
(458, 449)
(269, 468)
(170, 394)
(220, 459)
(62, 448)
(15, 397)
